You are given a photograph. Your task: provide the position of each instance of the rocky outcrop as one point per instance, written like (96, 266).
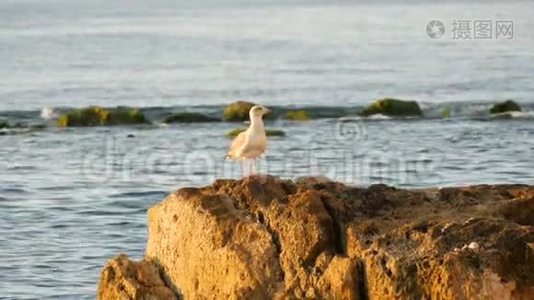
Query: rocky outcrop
(264, 237)
(503, 107)
(99, 116)
(393, 107)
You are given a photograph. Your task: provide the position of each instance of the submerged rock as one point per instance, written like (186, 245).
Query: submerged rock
(297, 115)
(263, 237)
(98, 116)
(189, 117)
(237, 111)
(506, 106)
(393, 107)
(268, 132)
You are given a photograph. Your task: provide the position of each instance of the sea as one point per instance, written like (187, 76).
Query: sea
(72, 198)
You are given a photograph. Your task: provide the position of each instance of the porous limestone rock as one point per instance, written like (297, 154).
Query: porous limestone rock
(123, 279)
(267, 238)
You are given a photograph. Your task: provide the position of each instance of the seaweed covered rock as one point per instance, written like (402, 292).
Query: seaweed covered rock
(91, 116)
(268, 132)
(98, 116)
(297, 115)
(124, 279)
(393, 107)
(237, 111)
(125, 116)
(503, 107)
(189, 117)
(263, 237)
(4, 124)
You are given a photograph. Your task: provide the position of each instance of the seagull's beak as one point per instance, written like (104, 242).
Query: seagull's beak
(267, 111)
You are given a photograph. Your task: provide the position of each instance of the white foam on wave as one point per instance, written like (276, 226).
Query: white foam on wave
(522, 114)
(515, 115)
(48, 113)
(379, 117)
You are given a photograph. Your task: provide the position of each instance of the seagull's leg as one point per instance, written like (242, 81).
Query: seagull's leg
(254, 166)
(245, 167)
(248, 168)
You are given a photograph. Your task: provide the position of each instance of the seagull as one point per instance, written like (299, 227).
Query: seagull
(251, 143)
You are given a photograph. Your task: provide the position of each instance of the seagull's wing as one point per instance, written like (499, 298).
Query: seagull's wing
(237, 145)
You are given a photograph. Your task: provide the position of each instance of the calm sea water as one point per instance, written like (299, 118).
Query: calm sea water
(71, 199)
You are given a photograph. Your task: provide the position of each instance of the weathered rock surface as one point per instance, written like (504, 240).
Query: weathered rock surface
(123, 279)
(263, 237)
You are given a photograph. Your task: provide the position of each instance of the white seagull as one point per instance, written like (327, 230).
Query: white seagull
(251, 143)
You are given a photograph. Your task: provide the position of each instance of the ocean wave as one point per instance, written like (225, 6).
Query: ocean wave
(48, 113)
(379, 117)
(514, 115)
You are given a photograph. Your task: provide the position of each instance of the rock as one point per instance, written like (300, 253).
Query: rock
(393, 107)
(270, 242)
(297, 115)
(264, 237)
(123, 279)
(473, 246)
(519, 210)
(409, 256)
(98, 116)
(237, 111)
(91, 116)
(506, 106)
(188, 117)
(125, 116)
(268, 132)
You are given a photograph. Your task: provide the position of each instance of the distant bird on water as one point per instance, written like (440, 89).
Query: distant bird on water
(251, 143)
